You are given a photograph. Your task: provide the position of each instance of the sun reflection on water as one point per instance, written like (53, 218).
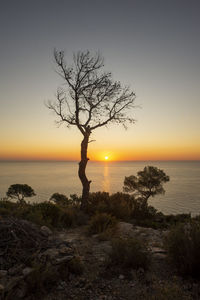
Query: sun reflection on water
(106, 179)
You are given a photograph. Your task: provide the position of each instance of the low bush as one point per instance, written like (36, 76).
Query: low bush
(75, 266)
(130, 253)
(41, 280)
(50, 213)
(101, 222)
(141, 210)
(44, 213)
(118, 204)
(164, 291)
(183, 246)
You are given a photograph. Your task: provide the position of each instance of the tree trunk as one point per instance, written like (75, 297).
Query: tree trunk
(81, 172)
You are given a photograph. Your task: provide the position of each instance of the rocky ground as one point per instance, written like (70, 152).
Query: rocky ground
(97, 281)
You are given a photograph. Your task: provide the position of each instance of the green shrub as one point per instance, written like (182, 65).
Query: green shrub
(101, 222)
(60, 199)
(67, 218)
(50, 213)
(118, 204)
(141, 210)
(129, 253)
(183, 246)
(8, 205)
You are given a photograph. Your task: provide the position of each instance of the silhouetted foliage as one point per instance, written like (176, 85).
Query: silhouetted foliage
(20, 191)
(60, 199)
(101, 222)
(183, 246)
(131, 253)
(93, 100)
(147, 183)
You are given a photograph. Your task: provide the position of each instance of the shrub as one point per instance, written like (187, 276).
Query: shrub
(7, 208)
(42, 279)
(60, 199)
(101, 222)
(165, 291)
(49, 211)
(118, 204)
(183, 246)
(75, 266)
(129, 253)
(141, 209)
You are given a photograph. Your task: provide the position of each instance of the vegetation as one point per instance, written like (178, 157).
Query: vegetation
(60, 199)
(93, 100)
(101, 222)
(129, 253)
(183, 246)
(45, 213)
(147, 183)
(165, 291)
(20, 191)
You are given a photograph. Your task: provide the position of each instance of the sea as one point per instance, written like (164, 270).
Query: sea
(182, 192)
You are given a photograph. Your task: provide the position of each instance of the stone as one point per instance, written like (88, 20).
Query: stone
(27, 271)
(125, 229)
(51, 253)
(2, 288)
(121, 277)
(62, 260)
(3, 273)
(13, 282)
(46, 231)
(20, 292)
(16, 270)
(157, 250)
(65, 250)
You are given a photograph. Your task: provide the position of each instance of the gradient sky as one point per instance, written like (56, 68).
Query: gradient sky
(153, 46)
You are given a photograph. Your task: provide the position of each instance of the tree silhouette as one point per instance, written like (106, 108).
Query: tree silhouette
(20, 191)
(148, 182)
(92, 100)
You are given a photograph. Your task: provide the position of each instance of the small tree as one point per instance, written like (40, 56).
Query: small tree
(147, 183)
(20, 191)
(60, 199)
(92, 100)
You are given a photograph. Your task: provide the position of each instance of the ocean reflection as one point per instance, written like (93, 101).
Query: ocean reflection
(106, 179)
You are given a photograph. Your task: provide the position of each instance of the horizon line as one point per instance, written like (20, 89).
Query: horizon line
(106, 161)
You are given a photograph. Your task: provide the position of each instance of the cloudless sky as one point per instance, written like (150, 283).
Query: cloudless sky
(153, 46)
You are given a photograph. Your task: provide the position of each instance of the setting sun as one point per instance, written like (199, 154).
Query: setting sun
(106, 157)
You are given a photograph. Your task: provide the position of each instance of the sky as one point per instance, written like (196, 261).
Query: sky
(152, 46)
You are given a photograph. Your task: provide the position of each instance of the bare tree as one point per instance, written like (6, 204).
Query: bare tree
(92, 100)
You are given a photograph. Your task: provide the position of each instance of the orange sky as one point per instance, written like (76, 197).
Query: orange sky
(116, 143)
(154, 49)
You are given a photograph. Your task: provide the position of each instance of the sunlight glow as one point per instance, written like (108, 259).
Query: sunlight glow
(106, 157)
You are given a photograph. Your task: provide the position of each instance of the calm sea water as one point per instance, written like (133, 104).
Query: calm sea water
(182, 192)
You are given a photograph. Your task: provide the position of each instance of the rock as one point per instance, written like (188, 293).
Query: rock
(3, 273)
(65, 250)
(51, 253)
(2, 288)
(121, 277)
(20, 292)
(125, 229)
(158, 250)
(62, 260)
(46, 231)
(16, 270)
(13, 282)
(27, 271)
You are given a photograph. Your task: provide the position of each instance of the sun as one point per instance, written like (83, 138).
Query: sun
(106, 157)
